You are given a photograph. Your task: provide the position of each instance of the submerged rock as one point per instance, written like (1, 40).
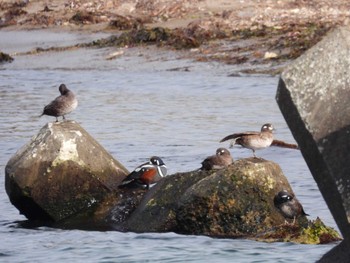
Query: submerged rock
(61, 172)
(313, 95)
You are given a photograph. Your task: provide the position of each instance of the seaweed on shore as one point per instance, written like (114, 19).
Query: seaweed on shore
(5, 57)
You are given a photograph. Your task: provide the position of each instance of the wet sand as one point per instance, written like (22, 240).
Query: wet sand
(258, 36)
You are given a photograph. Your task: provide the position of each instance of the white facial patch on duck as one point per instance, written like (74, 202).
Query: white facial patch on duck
(286, 197)
(155, 161)
(267, 127)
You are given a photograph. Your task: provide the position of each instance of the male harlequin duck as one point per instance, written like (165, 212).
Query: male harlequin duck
(288, 205)
(145, 174)
(220, 160)
(252, 140)
(62, 105)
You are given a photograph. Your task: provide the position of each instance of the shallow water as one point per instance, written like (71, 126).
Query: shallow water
(136, 106)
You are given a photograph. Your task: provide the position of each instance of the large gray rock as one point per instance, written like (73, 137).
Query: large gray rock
(61, 172)
(314, 97)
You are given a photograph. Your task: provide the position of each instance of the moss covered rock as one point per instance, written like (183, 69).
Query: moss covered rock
(310, 232)
(61, 172)
(64, 177)
(233, 202)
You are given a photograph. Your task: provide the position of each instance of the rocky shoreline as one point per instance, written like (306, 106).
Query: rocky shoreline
(261, 37)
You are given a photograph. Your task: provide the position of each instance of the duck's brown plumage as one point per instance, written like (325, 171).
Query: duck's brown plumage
(220, 160)
(62, 105)
(288, 205)
(252, 140)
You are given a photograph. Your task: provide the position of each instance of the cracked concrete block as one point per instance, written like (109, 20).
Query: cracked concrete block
(60, 172)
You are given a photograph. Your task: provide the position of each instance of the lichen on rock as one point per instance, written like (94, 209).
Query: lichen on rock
(236, 202)
(65, 177)
(61, 172)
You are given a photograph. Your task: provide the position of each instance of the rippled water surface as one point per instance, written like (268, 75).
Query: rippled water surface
(136, 107)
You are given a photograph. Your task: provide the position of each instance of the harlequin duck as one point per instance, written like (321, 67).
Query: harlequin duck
(145, 174)
(288, 205)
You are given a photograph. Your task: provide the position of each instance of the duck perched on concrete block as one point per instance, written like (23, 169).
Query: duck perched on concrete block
(62, 105)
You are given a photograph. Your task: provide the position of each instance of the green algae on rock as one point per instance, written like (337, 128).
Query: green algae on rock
(307, 232)
(64, 177)
(236, 202)
(62, 171)
(233, 202)
(318, 233)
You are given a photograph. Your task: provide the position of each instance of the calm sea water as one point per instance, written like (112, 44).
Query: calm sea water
(136, 106)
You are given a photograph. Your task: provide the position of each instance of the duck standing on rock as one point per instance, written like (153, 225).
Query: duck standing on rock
(288, 206)
(220, 160)
(62, 105)
(253, 140)
(145, 174)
